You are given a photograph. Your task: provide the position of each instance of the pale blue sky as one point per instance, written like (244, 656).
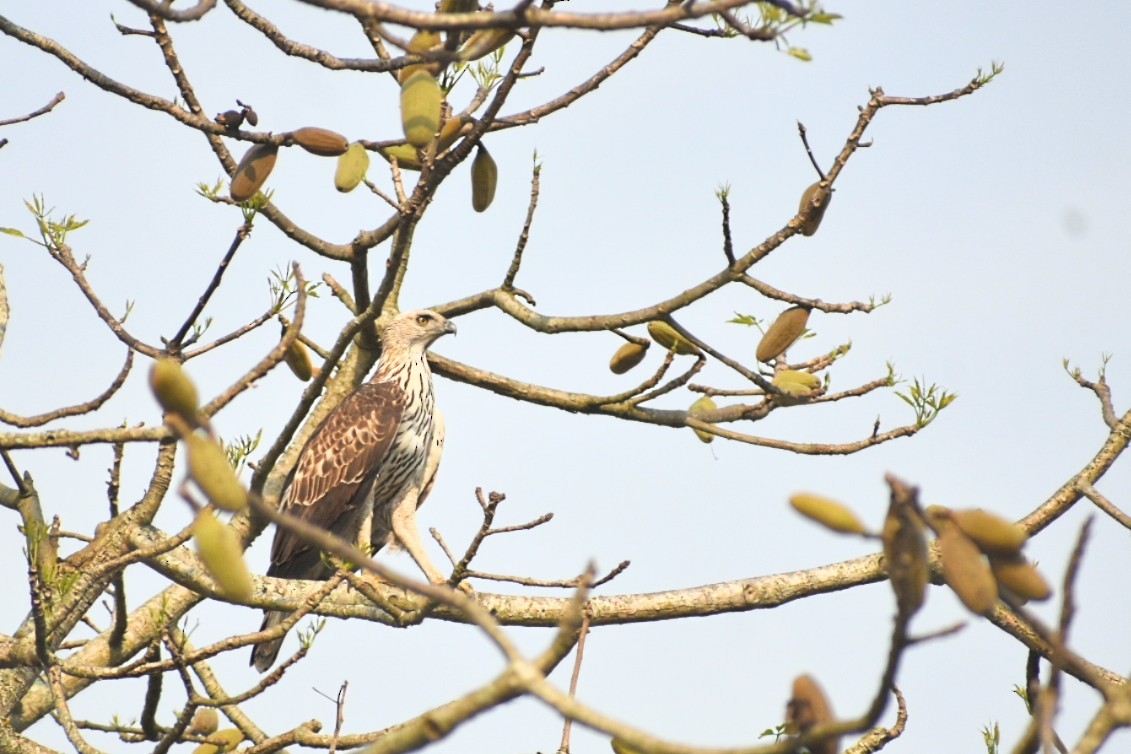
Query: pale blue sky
(997, 222)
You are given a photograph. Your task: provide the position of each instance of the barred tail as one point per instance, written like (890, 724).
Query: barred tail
(263, 655)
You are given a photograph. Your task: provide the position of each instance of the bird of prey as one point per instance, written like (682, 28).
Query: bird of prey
(367, 468)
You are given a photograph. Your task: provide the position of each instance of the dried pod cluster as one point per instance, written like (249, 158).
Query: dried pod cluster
(981, 555)
(786, 329)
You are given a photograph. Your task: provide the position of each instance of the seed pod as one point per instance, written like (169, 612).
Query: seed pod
(174, 390)
(421, 101)
(809, 227)
(702, 406)
(828, 513)
(1015, 573)
(204, 722)
(992, 534)
(620, 747)
(321, 141)
(786, 329)
(796, 383)
(808, 707)
(298, 359)
(407, 158)
(669, 338)
(484, 178)
(220, 550)
(424, 41)
(626, 357)
(905, 557)
(351, 168)
(965, 569)
(213, 474)
(232, 738)
(252, 171)
(459, 6)
(484, 42)
(449, 132)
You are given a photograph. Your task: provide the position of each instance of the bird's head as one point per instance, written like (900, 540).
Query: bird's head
(416, 330)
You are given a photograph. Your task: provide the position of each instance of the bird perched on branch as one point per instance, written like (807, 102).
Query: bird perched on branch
(368, 467)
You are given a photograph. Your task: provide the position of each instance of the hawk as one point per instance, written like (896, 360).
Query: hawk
(367, 468)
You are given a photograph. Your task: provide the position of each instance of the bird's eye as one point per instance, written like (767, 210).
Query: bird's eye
(423, 319)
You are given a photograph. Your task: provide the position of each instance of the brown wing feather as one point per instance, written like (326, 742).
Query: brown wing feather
(341, 456)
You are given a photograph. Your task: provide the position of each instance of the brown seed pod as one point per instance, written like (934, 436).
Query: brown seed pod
(1015, 573)
(626, 357)
(252, 171)
(808, 707)
(796, 383)
(421, 101)
(484, 178)
(809, 227)
(405, 154)
(786, 329)
(905, 557)
(321, 141)
(669, 338)
(965, 569)
(992, 533)
(174, 390)
(209, 467)
(828, 513)
(352, 167)
(205, 722)
(219, 548)
(700, 407)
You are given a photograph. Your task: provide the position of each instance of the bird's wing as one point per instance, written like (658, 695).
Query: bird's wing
(338, 461)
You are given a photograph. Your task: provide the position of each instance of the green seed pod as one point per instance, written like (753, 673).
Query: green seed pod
(252, 171)
(992, 534)
(666, 336)
(205, 722)
(298, 359)
(351, 168)
(213, 474)
(905, 557)
(449, 132)
(232, 738)
(702, 406)
(626, 357)
(424, 41)
(828, 513)
(321, 141)
(965, 569)
(808, 707)
(174, 390)
(796, 383)
(405, 154)
(786, 329)
(421, 101)
(809, 227)
(1015, 573)
(219, 548)
(620, 747)
(484, 42)
(484, 178)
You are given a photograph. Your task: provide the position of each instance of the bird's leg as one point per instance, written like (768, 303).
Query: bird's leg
(408, 535)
